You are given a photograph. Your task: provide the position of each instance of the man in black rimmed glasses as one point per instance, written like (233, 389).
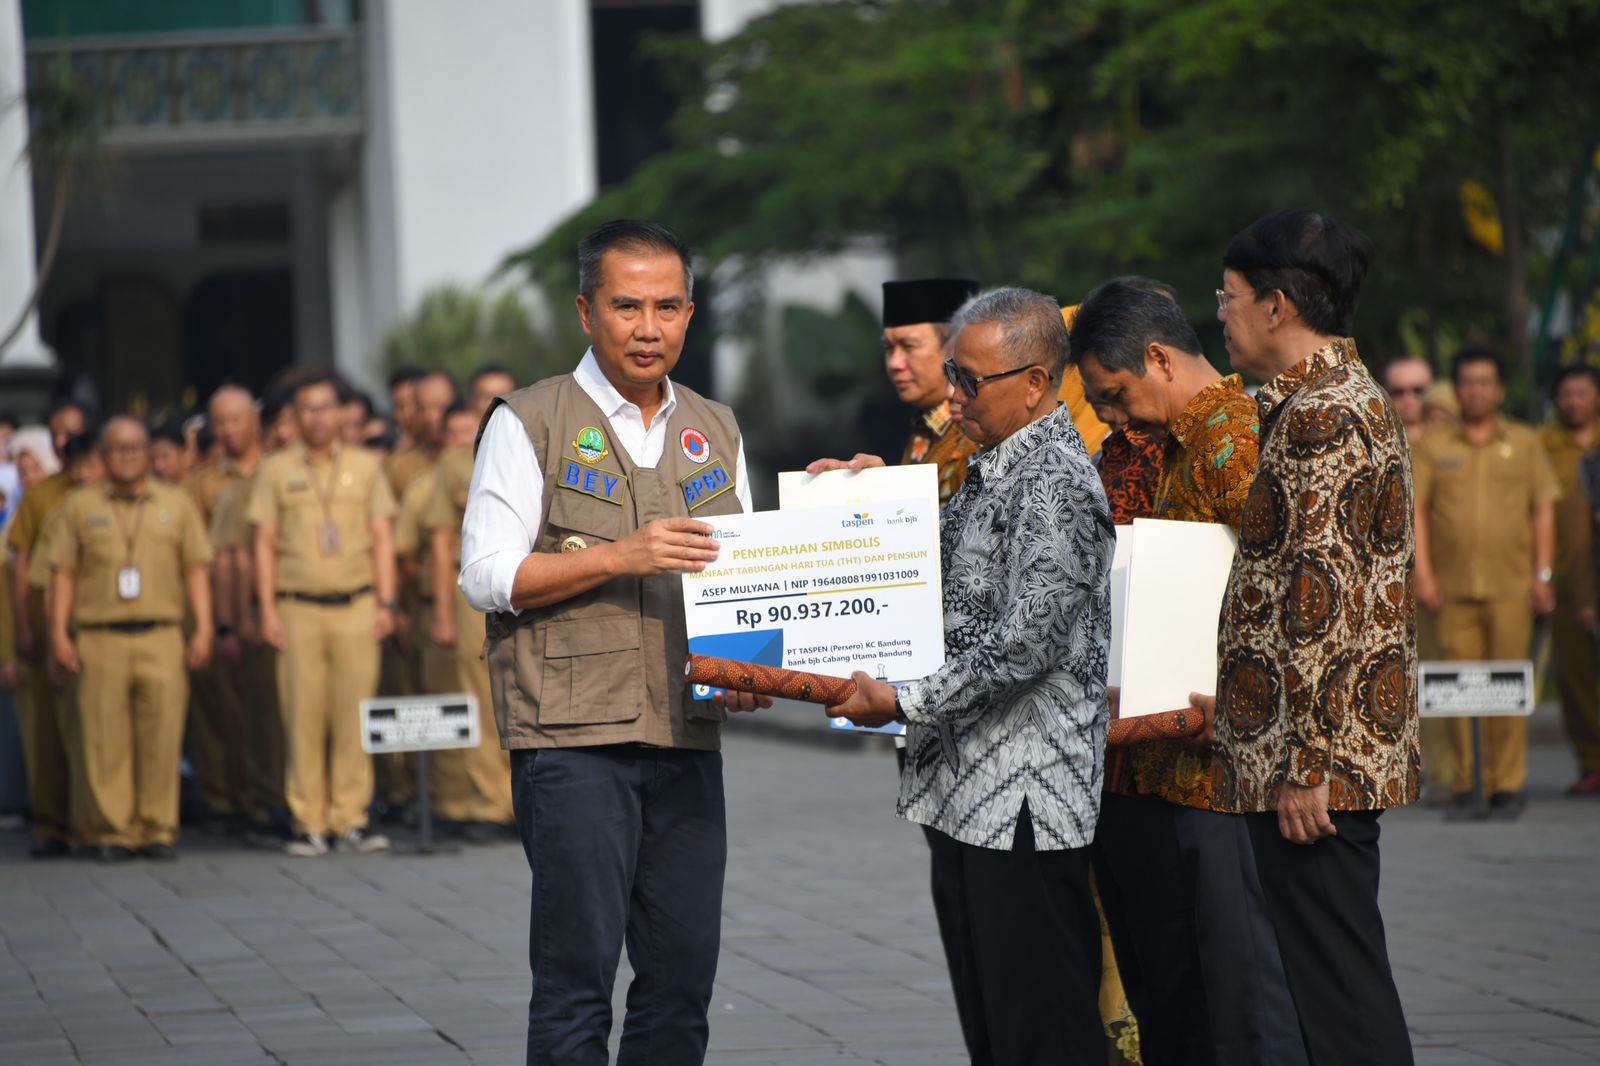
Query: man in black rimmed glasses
(1006, 739)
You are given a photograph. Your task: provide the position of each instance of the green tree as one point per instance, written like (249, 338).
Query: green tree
(457, 329)
(1054, 144)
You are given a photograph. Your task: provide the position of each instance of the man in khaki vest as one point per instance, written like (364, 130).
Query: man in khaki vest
(324, 545)
(123, 555)
(588, 500)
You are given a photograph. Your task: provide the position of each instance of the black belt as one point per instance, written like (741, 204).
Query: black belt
(125, 627)
(331, 599)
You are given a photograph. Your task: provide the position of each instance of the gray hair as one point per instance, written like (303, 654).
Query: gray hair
(1031, 327)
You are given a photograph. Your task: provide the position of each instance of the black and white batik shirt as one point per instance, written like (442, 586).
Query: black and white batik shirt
(1018, 711)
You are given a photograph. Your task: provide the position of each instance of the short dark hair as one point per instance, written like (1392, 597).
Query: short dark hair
(444, 375)
(458, 407)
(1121, 318)
(361, 397)
(1477, 353)
(67, 405)
(1316, 261)
(9, 418)
(80, 446)
(490, 368)
(1575, 370)
(1139, 281)
(168, 428)
(312, 378)
(404, 375)
(628, 235)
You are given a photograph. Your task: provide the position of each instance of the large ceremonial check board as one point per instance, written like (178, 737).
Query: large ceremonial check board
(827, 589)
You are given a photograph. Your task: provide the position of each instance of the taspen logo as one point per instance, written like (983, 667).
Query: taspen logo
(857, 521)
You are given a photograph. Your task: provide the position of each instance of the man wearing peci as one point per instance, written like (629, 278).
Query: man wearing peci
(1006, 739)
(589, 497)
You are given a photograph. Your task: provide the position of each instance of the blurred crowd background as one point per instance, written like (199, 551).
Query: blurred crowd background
(202, 192)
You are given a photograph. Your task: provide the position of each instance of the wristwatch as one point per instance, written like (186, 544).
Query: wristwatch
(1545, 575)
(899, 712)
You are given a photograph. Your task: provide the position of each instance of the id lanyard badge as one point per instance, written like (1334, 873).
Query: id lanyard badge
(129, 583)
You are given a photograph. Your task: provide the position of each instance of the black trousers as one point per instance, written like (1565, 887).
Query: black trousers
(1323, 901)
(627, 845)
(1027, 944)
(1140, 871)
(944, 885)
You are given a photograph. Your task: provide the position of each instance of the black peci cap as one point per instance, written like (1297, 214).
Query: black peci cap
(906, 303)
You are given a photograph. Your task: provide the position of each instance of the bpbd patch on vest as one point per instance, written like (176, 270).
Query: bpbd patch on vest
(601, 484)
(705, 485)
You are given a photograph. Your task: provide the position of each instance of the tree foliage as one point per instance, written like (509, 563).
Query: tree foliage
(1053, 143)
(457, 330)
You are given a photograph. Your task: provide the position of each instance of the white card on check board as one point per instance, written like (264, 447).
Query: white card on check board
(1176, 576)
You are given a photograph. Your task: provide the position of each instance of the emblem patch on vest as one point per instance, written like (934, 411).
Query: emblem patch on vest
(601, 484)
(696, 448)
(591, 444)
(705, 485)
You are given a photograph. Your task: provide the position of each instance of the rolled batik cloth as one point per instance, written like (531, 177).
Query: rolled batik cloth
(768, 680)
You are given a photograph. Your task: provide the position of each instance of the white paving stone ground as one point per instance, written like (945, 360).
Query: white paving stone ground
(830, 953)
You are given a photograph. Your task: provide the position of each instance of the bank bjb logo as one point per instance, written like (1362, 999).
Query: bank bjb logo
(591, 444)
(856, 521)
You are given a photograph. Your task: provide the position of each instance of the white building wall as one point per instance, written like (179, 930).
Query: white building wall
(17, 249)
(480, 138)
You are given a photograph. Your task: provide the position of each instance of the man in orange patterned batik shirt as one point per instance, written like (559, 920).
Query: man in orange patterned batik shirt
(1164, 828)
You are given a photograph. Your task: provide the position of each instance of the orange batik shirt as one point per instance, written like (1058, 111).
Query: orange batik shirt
(1207, 467)
(936, 439)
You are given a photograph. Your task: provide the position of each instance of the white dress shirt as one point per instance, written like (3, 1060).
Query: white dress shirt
(505, 503)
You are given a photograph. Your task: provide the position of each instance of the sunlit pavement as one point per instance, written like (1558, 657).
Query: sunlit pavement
(830, 953)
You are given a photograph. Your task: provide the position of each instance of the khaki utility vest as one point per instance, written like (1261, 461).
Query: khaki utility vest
(606, 666)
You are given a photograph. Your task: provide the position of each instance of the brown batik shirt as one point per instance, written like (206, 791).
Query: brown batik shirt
(937, 439)
(1317, 675)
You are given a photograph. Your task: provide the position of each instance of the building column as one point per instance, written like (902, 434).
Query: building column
(18, 269)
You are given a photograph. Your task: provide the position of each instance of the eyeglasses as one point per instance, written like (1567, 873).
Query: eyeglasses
(1223, 297)
(1407, 390)
(968, 382)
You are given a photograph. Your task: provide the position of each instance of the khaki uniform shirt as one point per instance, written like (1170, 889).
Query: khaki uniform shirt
(407, 464)
(1565, 452)
(410, 539)
(1479, 502)
(302, 499)
(98, 534)
(448, 504)
(37, 505)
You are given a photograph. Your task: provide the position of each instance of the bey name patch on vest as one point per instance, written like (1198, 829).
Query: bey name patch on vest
(703, 486)
(606, 485)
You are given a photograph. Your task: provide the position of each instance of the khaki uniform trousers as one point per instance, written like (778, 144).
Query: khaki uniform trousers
(328, 666)
(400, 674)
(216, 739)
(1575, 650)
(1438, 734)
(1478, 630)
(254, 683)
(44, 719)
(130, 696)
(471, 784)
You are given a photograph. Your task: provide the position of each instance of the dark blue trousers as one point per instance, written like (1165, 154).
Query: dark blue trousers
(627, 844)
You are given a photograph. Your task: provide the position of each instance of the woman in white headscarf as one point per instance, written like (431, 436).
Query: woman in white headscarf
(29, 460)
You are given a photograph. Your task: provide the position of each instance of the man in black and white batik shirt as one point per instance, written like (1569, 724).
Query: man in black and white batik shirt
(1007, 738)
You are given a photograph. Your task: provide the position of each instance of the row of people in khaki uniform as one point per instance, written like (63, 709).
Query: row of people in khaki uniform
(293, 550)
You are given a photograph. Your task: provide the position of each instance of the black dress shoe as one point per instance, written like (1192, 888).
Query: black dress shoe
(50, 848)
(112, 853)
(1507, 806)
(159, 852)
